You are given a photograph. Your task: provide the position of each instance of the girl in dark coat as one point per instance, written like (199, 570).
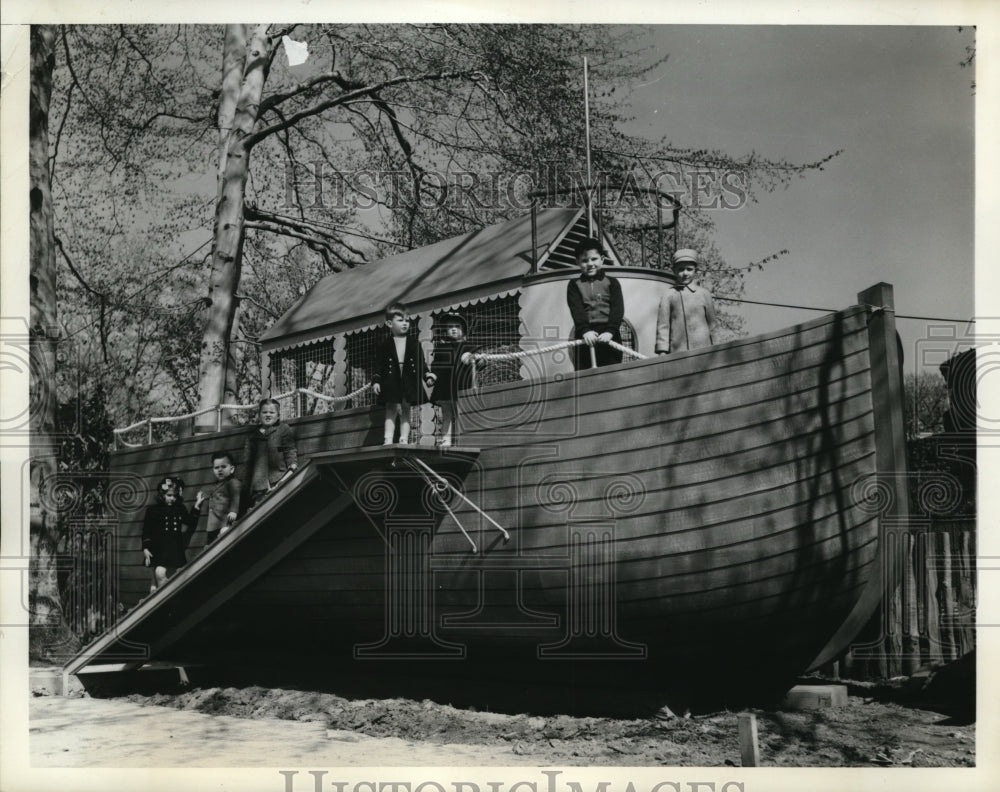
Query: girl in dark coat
(451, 370)
(163, 533)
(399, 372)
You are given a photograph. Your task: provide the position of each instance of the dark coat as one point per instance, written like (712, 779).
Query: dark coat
(166, 531)
(278, 442)
(452, 374)
(396, 386)
(581, 321)
(578, 308)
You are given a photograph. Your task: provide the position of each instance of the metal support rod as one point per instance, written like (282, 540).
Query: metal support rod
(593, 357)
(534, 236)
(586, 116)
(659, 234)
(149, 427)
(444, 481)
(586, 121)
(437, 487)
(461, 527)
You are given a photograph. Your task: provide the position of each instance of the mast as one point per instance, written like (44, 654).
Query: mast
(586, 122)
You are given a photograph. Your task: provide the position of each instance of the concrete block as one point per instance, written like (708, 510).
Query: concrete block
(806, 697)
(49, 682)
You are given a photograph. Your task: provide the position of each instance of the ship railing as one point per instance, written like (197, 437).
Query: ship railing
(496, 356)
(149, 423)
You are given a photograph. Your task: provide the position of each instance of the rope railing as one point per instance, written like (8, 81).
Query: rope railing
(495, 356)
(492, 356)
(148, 423)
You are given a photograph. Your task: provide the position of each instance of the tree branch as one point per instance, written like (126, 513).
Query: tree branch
(75, 271)
(320, 79)
(256, 137)
(263, 307)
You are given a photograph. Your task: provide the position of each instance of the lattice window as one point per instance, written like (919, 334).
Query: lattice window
(361, 353)
(494, 328)
(629, 338)
(309, 367)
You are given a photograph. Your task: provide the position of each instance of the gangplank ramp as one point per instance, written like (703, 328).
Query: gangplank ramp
(323, 488)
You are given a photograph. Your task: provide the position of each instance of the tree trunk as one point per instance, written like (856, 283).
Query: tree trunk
(227, 246)
(50, 638)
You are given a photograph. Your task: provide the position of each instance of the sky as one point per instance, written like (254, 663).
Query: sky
(896, 206)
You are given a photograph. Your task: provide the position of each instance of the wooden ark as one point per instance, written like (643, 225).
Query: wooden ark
(705, 525)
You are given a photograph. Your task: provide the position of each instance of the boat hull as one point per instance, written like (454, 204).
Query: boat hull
(700, 520)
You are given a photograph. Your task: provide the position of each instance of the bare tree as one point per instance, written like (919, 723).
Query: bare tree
(48, 628)
(179, 274)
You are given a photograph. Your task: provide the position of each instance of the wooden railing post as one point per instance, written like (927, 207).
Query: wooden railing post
(890, 458)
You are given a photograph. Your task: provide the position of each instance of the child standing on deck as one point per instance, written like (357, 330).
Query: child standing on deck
(269, 452)
(224, 500)
(163, 529)
(596, 304)
(399, 372)
(451, 370)
(686, 318)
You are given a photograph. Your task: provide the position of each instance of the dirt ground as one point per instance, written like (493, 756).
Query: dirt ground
(881, 726)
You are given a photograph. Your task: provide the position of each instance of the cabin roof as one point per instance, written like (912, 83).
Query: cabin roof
(472, 260)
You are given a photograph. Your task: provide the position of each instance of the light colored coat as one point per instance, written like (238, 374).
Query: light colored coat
(686, 319)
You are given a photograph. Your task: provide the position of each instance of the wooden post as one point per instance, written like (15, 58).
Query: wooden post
(749, 750)
(949, 647)
(890, 458)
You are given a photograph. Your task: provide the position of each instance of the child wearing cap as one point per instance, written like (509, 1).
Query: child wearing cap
(451, 370)
(596, 304)
(686, 318)
(400, 367)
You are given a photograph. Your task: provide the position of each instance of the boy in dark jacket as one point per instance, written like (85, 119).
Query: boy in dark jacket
(224, 500)
(399, 373)
(596, 304)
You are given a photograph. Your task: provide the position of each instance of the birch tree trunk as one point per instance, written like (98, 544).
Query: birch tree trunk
(49, 635)
(246, 56)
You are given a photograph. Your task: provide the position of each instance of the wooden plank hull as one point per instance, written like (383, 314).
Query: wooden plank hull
(691, 518)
